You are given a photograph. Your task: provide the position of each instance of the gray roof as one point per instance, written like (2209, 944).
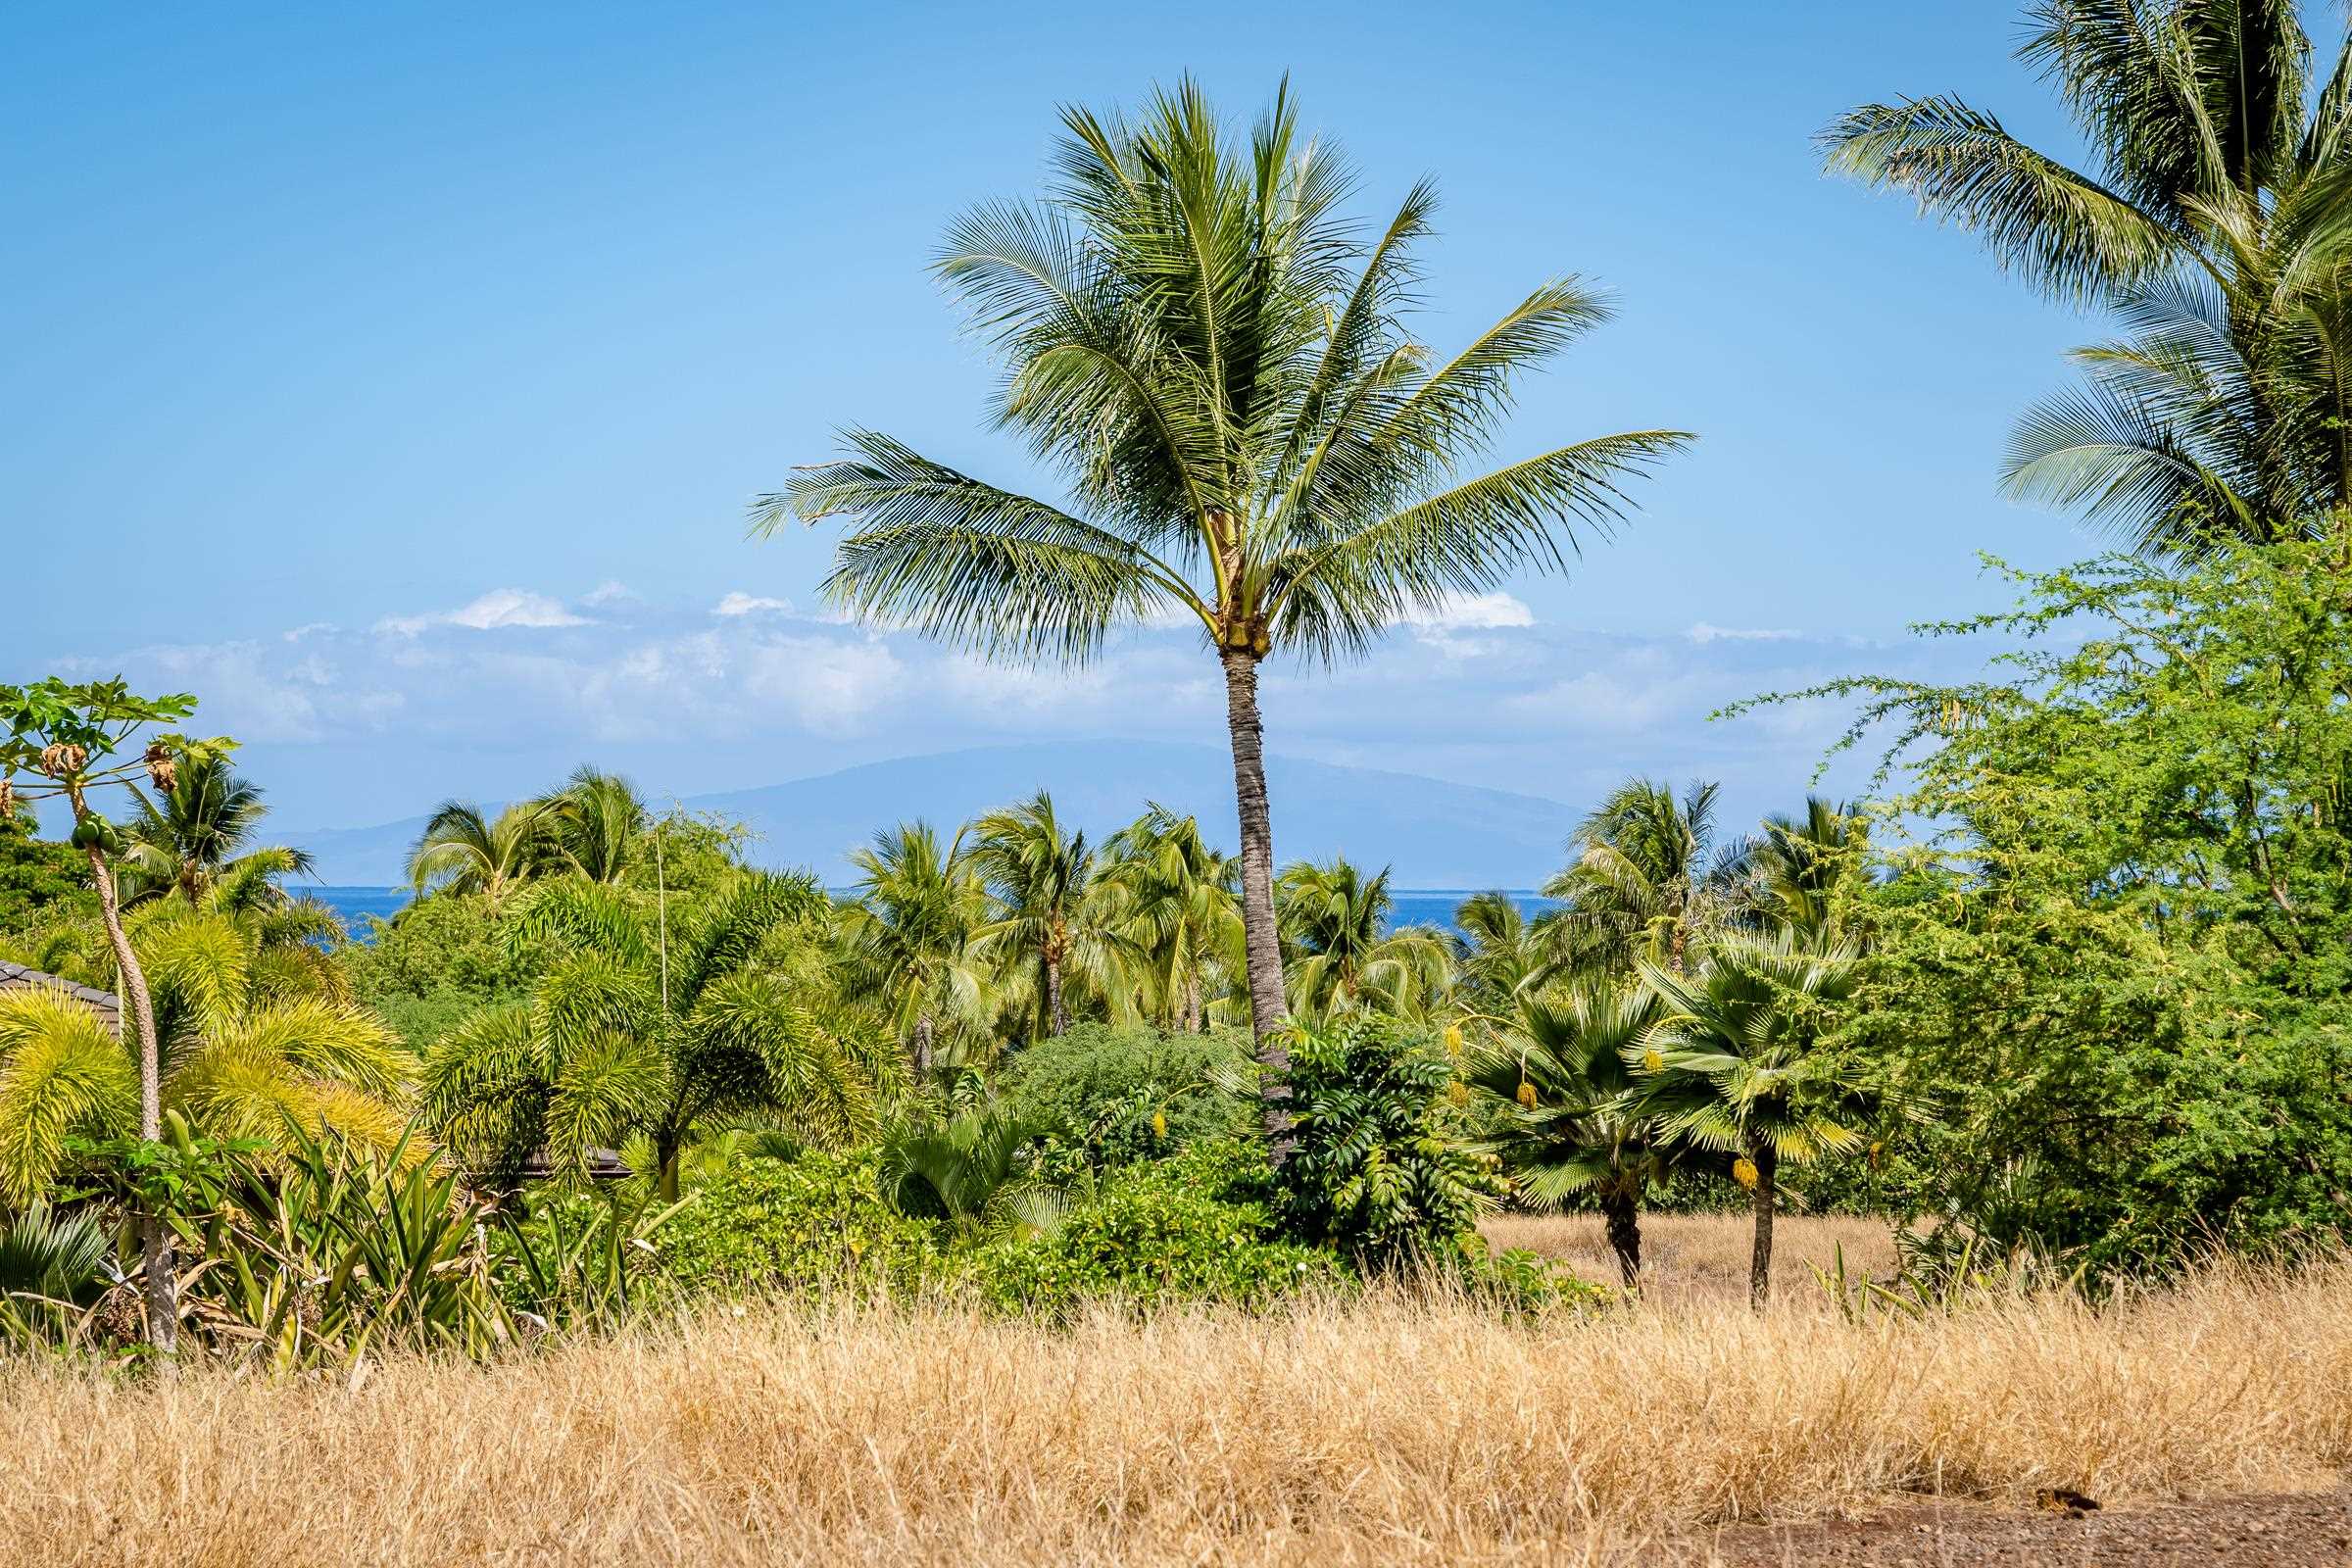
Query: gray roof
(16, 978)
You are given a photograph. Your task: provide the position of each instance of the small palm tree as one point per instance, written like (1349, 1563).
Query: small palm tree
(1731, 1064)
(1198, 336)
(461, 850)
(1048, 907)
(1808, 868)
(1648, 880)
(1335, 921)
(242, 1056)
(1556, 1075)
(624, 1035)
(2207, 220)
(907, 934)
(598, 823)
(965, 1171)
(1499, 954)
(1178, 904)
(201, 829)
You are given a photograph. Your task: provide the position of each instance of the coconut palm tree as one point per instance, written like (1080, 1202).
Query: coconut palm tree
(1335, 921)
(1178, 905)
(1499, 954)
(200, 831)
(1049, 908)
(244, 1055)
(1647, 878)
(1731, 1064)
(639, 1028)
(598, 823)
(1198, 337)
(2208, 219)
(907, 933)
(1556, 1074)
(1807, 868)
(463, 851)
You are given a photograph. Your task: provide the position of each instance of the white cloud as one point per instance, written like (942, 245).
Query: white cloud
(605, 593)
(743, 604)
(1472, 612)
(1704, 632)
(498, 608)
(309, 629)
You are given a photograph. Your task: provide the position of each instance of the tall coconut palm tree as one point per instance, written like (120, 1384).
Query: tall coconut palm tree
(1731, 1064)
(1049, 908)
(908, 932)
(639, 1028)
(1557, 1073)
(1335, 921)
(1178, 904)
(1197, 335)
(2210, 219)
(1648, 878)
(200, 831)
(244, 1054)
(1807, 868)
(463, 851)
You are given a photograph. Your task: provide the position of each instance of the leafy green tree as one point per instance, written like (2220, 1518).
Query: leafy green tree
(1649, 879)
(1808, 870)
(1499, 954)
(1558, 1076)
(1736, 1064)
(1177, 902)
(1335, 921)
(1194, 333)
(599, 826)
(199, 832)
(1049, 908)
(73, 737)
(2209, 223)
(907, 933)
(623, 1034)
(39, 881)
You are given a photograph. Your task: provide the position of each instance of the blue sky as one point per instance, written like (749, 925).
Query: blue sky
(395, 380)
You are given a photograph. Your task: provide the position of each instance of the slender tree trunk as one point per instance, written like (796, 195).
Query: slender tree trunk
(1192, 1002)
(1623, 1211)
(157, 1283)
(1058, 1017)
(1767, 1161)
(665, 1159)
(1266, 1004)
(922, 1050)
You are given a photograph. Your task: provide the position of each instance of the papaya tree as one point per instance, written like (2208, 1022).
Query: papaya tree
(76, 741)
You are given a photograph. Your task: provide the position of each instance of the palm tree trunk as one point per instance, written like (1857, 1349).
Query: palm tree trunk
(1767, 1161)
(922, 1050)
(1057, 1015)
(1192, 1002)
(1266, 1006)
(157, 1283)
(1624, 1215)
(665, 1164)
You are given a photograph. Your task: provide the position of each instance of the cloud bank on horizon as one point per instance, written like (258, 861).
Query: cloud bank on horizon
(505, 692)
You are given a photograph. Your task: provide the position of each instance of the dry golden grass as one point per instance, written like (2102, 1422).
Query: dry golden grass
(1389, 1430)
(1705, 1257)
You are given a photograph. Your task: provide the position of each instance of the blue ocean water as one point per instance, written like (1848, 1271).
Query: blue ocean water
(1414, 905)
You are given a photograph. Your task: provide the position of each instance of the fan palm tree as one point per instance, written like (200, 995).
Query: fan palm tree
(463, 851)
(908, 932)
(1647, 879)
(2211, 219)
(1198, 336)
(243, 1056)
(198, 831)
(1048, 906)
(621, 1035)
(966, 1169)
(1499, 954)
(1334, 920)
(1557, 1075)
(1731, 1064)
(1178, 905)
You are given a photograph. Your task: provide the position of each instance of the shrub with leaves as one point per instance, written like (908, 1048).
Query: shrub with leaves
(1122, 1095)
(795, 1225)
(1379, 1170)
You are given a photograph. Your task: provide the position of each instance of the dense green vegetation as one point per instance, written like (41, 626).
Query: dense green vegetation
(2069, 985)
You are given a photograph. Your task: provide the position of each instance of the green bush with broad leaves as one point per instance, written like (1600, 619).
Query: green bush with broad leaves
(798, 1225)
(1379, 1170)
(1115, 1096)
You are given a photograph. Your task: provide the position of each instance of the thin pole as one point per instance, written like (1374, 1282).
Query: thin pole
(662, 911)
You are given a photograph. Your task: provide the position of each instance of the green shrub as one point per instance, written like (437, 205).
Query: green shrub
(436, 961)
(1155, 1234)
(796, 1225)
(1379, 1171)
(1114, 1096)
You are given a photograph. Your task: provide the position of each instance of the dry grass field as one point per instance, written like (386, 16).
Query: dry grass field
(1703, 1258)
(1381, 1431)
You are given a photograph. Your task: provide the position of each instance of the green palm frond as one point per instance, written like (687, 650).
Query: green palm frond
(63, 1074)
